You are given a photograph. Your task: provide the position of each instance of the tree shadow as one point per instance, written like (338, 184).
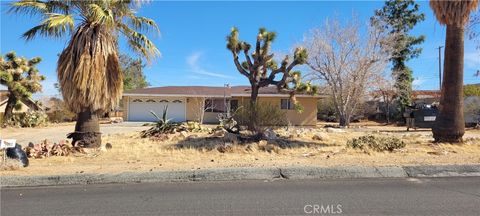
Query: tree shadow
(405, 131)
(217, 143)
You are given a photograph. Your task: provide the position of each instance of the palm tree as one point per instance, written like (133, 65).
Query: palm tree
(450, 125)
(88, 68)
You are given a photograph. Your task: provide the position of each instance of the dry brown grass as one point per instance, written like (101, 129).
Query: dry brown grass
(132, 153)
(10, 164)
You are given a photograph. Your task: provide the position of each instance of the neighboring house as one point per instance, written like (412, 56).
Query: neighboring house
(26, 104)
(427, 97)
(185, 103)
(421, 97)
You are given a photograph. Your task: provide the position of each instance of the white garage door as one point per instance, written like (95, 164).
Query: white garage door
(139, 109)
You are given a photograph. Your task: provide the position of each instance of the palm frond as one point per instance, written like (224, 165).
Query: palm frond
(143, 23)
(55, 25)
(453, 12)
(35, 7)
(139, 42)
(100, 14)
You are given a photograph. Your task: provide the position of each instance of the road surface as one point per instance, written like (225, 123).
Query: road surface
(433, 196)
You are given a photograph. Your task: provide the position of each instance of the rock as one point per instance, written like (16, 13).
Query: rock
(320, 136)
(262, 143)
(184, 134)
(270, 134)
(116, 119)
(108, 146)
(193, 136)
(230, 138)
(335, 130)
(219, 133)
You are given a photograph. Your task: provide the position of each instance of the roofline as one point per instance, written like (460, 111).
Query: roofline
(279, 95)
(172, 95)
(221, 96)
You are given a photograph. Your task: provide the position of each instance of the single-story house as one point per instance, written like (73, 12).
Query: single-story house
(187, 103)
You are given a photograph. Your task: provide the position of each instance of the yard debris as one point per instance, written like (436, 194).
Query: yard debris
(46, 149)
(18, 153)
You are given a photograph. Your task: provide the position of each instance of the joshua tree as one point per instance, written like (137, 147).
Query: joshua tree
(450, 125)
(88, 68)
(22, 79)
(261, 69)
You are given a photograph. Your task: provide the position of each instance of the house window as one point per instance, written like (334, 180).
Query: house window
(177, 101)
(137, 100)
(150, 100)
(163, 101)
(215, 105)
(233, 105)
(286, 104)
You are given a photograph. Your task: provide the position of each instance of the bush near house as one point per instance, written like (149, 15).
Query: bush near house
(264, 115)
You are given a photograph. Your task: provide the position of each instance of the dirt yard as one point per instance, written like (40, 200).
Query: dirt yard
(316, 146)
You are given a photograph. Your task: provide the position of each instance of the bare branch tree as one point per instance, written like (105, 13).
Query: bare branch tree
(346, 61)
(201, 107)
(386, 91)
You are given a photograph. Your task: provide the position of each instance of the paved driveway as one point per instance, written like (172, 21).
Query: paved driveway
(55, 133)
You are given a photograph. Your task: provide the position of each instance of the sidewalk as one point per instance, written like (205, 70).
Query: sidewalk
(234, 174)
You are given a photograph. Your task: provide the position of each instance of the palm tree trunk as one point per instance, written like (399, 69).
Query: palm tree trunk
(12, 100)
(87, 131)
(450, 125)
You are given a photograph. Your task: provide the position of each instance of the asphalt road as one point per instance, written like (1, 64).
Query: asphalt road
(435, 196)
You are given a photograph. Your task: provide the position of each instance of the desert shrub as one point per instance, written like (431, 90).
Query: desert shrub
(28, 119)
(376, 143)
(163, 125)
(57, 111)
(260, 116)
(192, 126)
(61, 116)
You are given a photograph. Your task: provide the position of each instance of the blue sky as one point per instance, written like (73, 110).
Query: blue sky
(192, 39)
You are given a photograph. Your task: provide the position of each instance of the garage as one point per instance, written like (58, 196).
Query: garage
(139, 108)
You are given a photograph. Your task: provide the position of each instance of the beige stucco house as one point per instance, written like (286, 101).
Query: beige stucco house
(26, 105)
(188, 103)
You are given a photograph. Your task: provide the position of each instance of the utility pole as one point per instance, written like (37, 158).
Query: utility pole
(440, 67)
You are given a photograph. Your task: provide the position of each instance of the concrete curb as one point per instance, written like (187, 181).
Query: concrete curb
(232, 174)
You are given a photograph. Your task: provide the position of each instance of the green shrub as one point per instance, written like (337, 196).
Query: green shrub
(260, 116)
(376, 143)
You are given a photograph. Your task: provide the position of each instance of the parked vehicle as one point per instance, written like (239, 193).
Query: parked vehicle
(425, 115)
